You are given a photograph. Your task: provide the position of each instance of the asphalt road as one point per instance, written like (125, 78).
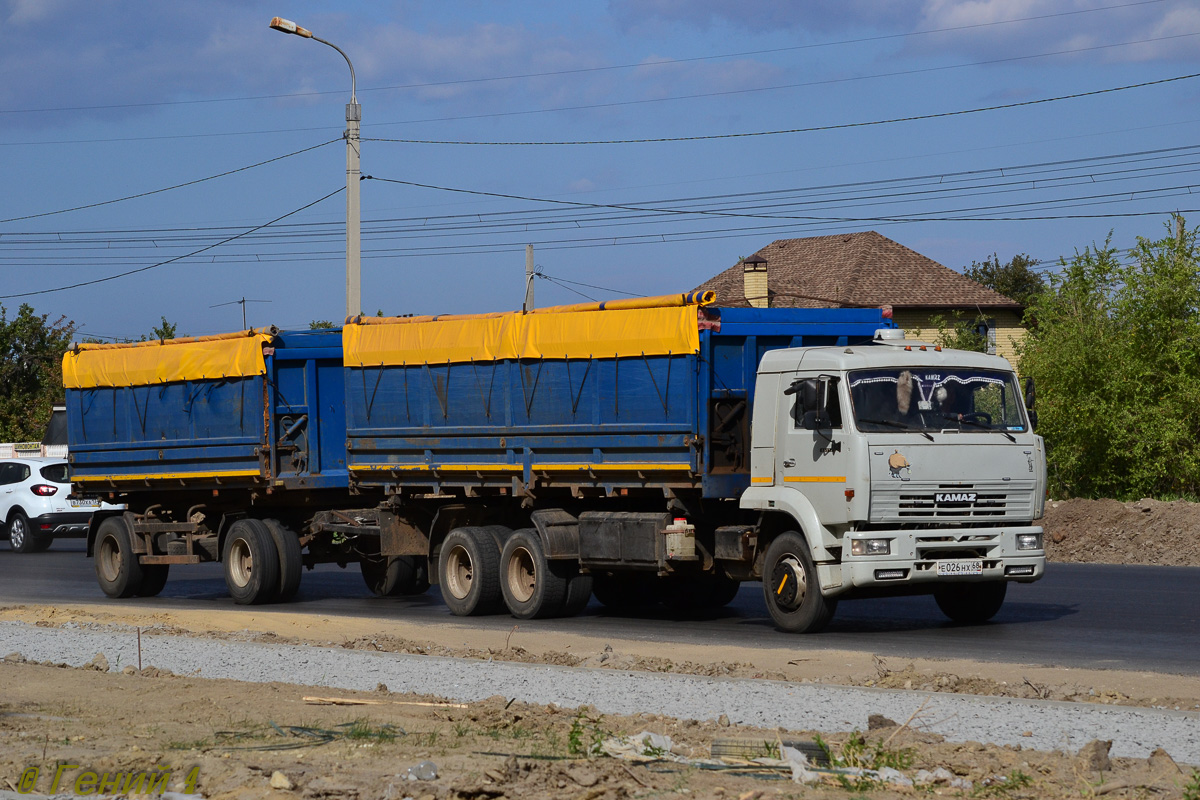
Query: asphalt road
(1079, 615)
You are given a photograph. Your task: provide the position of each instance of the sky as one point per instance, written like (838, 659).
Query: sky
(168, 159)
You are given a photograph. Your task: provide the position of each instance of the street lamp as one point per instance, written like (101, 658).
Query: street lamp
(353, 173)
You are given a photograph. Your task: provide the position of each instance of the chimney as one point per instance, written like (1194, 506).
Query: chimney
(754, 276)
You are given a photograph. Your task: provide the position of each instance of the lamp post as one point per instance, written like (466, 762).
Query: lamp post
(353, 173)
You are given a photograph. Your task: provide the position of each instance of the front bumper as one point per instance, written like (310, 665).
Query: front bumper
(915, 555)
(62, 525)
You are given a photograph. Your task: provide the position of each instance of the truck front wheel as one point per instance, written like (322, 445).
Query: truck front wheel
(469, 567)
(251, 563)
(532, 586)
(971, 603)
(790, 586)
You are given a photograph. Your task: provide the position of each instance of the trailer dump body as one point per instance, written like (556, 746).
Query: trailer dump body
(257, 408)
(606, 396)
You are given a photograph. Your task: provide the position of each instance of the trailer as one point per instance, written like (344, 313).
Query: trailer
(530, 461)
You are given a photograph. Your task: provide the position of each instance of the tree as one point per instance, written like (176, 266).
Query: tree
(1015, 279)
(960, 333)
(1116, 359)
(31, 353)
(161, 332)
(319, 324)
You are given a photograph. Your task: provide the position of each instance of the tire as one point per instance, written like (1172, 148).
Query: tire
(154, 578)
(291, 562)
(532, 586)
(698, 594)
(971, 603)
(21, 537)
(790, 587)
(390, 575)
(420, 584)
(625, 592)
(117, 569)
(469, 572)
(721, 591)
(251, 563)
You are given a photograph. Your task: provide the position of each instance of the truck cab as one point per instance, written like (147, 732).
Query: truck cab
(903, 468)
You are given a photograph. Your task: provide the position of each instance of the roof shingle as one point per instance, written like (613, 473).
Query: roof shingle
(863, 269)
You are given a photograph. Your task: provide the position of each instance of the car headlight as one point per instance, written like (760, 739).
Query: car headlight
(871, 547)
(1029, 541)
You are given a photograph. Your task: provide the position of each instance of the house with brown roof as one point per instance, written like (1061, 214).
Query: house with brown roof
(868, 270)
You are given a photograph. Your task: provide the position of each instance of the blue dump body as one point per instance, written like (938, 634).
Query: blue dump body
(671, 421)
(220, 432)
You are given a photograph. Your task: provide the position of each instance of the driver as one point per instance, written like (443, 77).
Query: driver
(950, 401)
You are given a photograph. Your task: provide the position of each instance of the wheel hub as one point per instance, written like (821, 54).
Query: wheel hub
(788, 583)
(459, 572)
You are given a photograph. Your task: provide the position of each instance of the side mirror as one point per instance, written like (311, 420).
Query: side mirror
(1030, 397)
(811, 409)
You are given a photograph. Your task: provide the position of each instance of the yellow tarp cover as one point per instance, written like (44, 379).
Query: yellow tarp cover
(87, 366)
(492, 337)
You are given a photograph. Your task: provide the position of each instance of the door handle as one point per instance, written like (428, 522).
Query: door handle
(789, 462)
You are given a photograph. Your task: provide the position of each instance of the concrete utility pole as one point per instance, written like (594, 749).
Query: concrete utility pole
(528, 304)
(353, 174)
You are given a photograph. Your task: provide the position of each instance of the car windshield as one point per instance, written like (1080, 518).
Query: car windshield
(56, 473)
(935, 399)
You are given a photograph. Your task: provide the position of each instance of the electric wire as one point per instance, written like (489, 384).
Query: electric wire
(167, 188)
(811, 129)
(170, 260)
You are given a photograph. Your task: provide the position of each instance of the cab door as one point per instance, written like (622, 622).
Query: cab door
(812, 457)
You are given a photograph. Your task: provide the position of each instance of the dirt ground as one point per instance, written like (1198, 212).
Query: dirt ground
(236, 740)
(1111, 532)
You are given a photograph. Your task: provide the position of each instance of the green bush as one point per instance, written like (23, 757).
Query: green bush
(1116, 359)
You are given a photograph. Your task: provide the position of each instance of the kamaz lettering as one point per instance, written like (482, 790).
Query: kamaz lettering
(954, 497)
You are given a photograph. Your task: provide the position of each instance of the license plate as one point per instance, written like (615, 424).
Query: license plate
(950, 569)
(85, 503)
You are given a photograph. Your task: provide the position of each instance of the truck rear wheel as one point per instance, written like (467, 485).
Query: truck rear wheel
(251, 563)
(790, 586)
(533, 587)
(579, 592)
(971, 603)
(469, 569)
(291, 562)
(117, 569)
(154, 578)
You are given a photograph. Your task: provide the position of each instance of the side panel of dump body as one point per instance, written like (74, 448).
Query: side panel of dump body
(511, 424)
(731, 348)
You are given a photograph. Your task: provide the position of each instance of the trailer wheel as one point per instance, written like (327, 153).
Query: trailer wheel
(117, 569)
(251, 563)
(291, 562)
(389, 575)
(469, 568)
(790, 586)
(533, 587)
(971, 603)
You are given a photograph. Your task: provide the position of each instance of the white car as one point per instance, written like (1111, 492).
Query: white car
(35, 507)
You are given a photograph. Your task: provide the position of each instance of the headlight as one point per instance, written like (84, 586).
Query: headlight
(1029, 541)
(871, 547)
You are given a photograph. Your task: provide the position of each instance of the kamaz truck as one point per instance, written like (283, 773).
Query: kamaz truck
(639, 452)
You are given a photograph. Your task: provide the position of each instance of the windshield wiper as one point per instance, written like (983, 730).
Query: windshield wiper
(891, 423)
(957, 418)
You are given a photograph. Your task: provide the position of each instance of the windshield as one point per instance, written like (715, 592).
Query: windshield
(936, 399)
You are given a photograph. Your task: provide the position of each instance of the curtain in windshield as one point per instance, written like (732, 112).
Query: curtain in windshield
(936, 399)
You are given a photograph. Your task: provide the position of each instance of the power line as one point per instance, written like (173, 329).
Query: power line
(582, 70)
(176, 258)
(779, 87)
(166, 188)
(839, 126)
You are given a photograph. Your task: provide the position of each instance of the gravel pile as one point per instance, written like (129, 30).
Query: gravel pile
(1042, 725)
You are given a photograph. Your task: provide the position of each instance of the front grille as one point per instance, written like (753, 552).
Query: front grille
(895, 502)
